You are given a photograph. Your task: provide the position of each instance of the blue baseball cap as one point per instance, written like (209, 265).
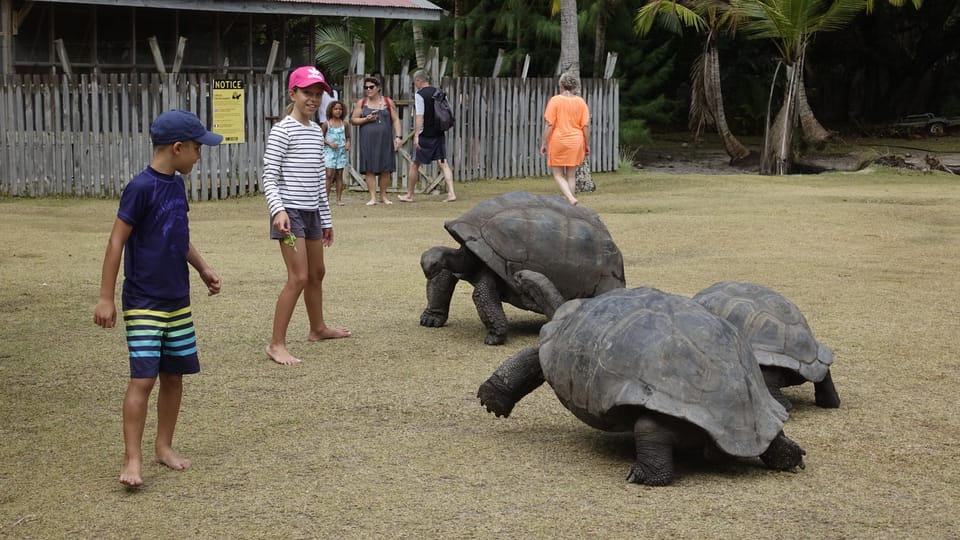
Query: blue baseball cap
(176, 125)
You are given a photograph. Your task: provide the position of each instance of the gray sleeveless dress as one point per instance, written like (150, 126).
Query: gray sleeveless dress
(376, 143)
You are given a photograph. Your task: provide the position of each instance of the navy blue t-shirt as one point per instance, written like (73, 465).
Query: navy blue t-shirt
(155, 256)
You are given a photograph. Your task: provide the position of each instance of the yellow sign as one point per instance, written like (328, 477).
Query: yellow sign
(228, 107)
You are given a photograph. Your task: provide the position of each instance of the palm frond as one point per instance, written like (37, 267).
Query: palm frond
(669, 15)
(334, 47)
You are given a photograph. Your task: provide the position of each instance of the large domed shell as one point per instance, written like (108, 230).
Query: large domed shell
(521, 231)
(772, 325)
(646, 348)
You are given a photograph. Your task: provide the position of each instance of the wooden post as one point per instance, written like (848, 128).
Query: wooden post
(64, 59)
(272, 59)
(433, 66)
(611, 64)
(357, 59)
(157, 56)
(178, 57)
(498, 64)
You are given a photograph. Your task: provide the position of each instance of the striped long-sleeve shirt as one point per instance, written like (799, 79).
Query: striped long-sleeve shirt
(294, 169)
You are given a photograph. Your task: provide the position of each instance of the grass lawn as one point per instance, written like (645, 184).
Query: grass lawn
(381, 435)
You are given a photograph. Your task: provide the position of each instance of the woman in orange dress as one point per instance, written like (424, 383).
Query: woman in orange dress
(566, 135)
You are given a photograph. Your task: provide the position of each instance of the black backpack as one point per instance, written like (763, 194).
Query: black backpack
(442, 111)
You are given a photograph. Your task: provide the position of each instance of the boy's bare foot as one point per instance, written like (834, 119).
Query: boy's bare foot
(329, 332)
(339, 203)
(130, 474)
(573, 201)
(450, 199)
(404, 198)
(387, 201)
(371, 202)
(280, 355)
(172, 459)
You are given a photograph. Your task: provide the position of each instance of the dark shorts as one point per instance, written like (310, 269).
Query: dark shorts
(431, 149)
(303, 224)
(160, 336)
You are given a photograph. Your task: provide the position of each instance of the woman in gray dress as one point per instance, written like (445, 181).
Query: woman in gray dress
(379, 123)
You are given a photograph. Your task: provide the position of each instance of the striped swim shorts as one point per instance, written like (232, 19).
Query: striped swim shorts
(160, 337)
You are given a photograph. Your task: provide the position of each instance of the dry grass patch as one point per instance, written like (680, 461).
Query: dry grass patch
(381, 435)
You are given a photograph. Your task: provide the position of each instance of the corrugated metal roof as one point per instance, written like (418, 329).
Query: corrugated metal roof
(382, 9)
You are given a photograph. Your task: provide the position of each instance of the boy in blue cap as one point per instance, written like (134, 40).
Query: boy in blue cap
(152, 229)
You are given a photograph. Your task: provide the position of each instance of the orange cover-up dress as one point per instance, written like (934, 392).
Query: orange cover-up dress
(568, 115)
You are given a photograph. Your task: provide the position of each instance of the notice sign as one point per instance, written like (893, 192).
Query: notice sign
(228, 107)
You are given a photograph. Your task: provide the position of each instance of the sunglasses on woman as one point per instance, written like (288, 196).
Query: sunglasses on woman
(369, 86)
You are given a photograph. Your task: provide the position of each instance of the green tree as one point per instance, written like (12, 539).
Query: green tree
(790, 25)
(706, 96)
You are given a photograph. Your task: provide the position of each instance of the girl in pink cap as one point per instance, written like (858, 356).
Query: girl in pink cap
(294, 183)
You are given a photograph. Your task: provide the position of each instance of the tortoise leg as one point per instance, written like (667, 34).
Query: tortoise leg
(486, 297)
(439, 292)
(654, 445)
(774, 379)
(826, 393)
(515, 378)
(783, 454)
(441, 265)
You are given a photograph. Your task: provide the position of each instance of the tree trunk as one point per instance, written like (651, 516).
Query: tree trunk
(778, 153)
(712, 90)
(459, 34)
(570, 62)
(418, 48)
(600, 40)
(812, 129)
(569, 39)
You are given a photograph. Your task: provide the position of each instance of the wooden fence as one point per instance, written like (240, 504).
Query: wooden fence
(90, 136)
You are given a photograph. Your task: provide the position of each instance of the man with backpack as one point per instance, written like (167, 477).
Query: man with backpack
(429, 141)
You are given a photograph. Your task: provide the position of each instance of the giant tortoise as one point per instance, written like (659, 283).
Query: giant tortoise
(780, 337)
(516, 231)
(658, 364)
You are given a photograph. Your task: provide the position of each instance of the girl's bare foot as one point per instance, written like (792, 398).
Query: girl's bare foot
(339, 203)
(371, 202)
(329, 332)
(280, 355)
(404, 198)
(170, 458)
(573, 201)
(130, 474)
(450, 199)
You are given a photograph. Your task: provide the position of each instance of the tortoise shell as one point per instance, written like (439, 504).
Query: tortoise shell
(518, 230)
(771, 324)
(605, 356)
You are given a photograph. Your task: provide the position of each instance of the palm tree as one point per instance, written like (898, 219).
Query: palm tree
(706, 99)
(790, 24)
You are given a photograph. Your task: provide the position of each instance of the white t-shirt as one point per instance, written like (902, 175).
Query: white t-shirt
(324, 103)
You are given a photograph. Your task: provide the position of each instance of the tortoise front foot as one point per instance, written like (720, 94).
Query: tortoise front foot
(495, 339)
(493, 396)
(432, 319)
(640, 474)
(783, 454)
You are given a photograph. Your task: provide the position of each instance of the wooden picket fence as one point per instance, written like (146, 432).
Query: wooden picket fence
(88, 137)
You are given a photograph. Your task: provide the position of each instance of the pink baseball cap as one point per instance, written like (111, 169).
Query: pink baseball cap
(305, 76)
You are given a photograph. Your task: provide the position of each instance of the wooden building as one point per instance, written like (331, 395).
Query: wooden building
(115, 36)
